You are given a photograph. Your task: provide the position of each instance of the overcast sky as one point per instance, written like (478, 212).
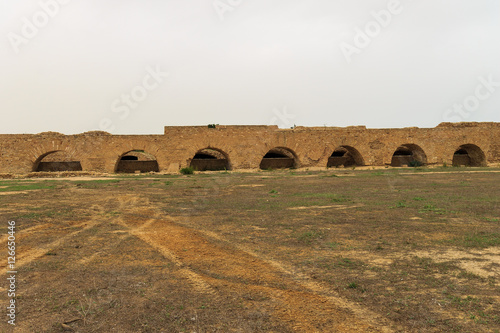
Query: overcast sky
(134, 66)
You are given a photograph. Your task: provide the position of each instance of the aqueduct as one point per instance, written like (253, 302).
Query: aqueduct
(252, 147)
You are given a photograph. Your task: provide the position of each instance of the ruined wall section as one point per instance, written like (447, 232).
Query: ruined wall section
(246, 145)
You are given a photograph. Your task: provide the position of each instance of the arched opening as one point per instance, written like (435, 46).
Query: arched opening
(210, 159)
(279, 158)
(408, 154)
(345, 156)
(136, 161)
(469, 155)
(56, 161)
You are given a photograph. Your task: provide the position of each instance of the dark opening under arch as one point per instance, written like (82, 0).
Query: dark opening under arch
(210, 159)
(57, 160)
(469, 155)
(408, 154)
(136, 161)
(279, 158)
(345, 156)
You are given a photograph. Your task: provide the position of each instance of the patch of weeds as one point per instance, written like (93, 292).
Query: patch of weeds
(432, 208)
(333, 245)
(309, 236)
(418, 199)
(491, 219)
(333, 196)
(102, 181)
(427, 263)
(273, 191)
(400, 204)
(339, 198)
(187, 171)
(26, 187)
(468, 275)
(352, 285)
(480, 239)
(462, 301)
(415, 163)
(348, 263)
(96, 183)
(29, 216)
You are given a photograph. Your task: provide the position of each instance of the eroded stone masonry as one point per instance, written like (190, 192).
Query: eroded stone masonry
(252, 147)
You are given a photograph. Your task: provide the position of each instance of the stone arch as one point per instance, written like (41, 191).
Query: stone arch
(56, 160)
(279, 158)
(136, 160)
(469, 155)
(345, 156)
(212, 159)
(408, 154)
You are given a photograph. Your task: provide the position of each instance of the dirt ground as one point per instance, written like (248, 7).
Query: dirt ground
(395, 250)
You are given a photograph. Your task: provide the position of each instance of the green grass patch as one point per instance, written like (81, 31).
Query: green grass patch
(334, 197)
(481, 239)
(352, 285)
(432, 208)
(96, 183)
(26, 187)
(310, 236)
(100, 181)
(400, 204)
(491, 219)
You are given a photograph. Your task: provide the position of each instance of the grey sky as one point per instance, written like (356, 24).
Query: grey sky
(258, 62)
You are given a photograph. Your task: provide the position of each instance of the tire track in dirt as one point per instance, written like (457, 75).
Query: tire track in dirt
(309, 283)
(25, 232)
(219, 265)
(27, 257)
(148, 237)
(24, 258)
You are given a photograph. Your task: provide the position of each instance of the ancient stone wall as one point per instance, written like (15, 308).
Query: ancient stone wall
(245, 146)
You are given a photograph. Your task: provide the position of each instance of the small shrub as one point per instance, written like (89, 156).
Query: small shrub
(309, 236)
(400, 204)
(414, 164)
(352, 285)
(187, 171)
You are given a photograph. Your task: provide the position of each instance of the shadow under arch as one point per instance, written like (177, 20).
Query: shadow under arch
(136, 160)
(409, 154)
(469, 155)
(210, 159)
(345, 156)
(55, 161)
(279, 158)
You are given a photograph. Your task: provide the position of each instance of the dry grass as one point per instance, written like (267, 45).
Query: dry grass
(400, 250)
